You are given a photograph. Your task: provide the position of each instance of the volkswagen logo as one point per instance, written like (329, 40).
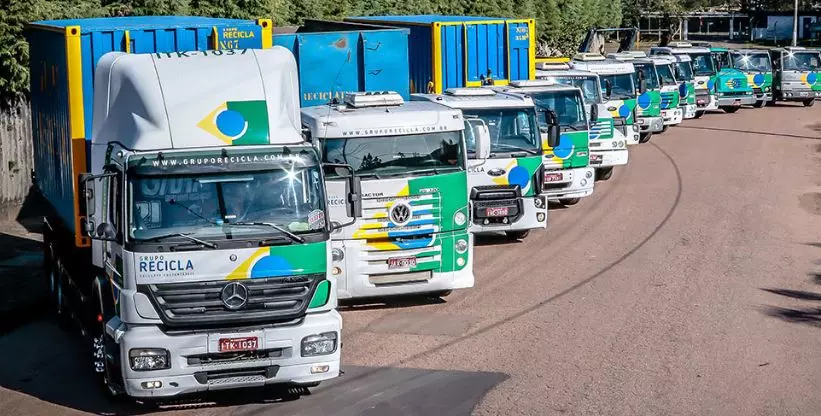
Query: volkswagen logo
(400, 213)
(234, 296)
(612, 108)
(496, 172)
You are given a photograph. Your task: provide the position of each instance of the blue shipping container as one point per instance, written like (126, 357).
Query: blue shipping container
(63, 58)
(337, 57)
(464, 51)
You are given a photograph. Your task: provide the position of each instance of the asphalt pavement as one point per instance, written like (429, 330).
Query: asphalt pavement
(688, 284)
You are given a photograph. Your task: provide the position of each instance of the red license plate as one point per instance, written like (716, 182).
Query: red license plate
(496, 212)
(401, 262)
(595, 158)
(238, 344)
(553, 177)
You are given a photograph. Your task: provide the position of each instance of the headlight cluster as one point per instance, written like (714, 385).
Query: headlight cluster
(322, 344)
(617, 144)
(147, 359)
(459, 218)
(461, 246)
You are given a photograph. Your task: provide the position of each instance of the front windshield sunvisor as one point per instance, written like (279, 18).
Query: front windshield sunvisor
(219, 206)
(410, 154)
(512, 130)
(567, 105)
(218, 161)
(622, 84)
(590, 90)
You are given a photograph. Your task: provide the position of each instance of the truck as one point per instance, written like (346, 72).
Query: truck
(407, 232)
(616, 81)
(648, 100)
(715, 89)
(568, 176)
(687, 87)
(796, 73)
(608, 142)
(505, 185)
(733, 87)
(464, 51)
(671, 111)
(756, 65)
(188, 233)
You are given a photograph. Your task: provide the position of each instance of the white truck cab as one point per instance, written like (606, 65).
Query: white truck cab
(648, 100)
(671, 112)
(684, 75)
(608, 140)
(704, 70)
(407, 230)
(505, 185)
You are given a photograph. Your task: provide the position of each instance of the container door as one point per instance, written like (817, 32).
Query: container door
(485, 56)
(521, 49)
(385, 62)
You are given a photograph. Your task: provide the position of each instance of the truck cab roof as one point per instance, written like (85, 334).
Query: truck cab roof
(678, 50)
(749, 51)
(605, 67)
(537, 88)
(409, 117)
(476, 98)
(565, 72)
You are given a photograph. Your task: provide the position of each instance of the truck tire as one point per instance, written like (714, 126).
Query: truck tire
(770, 103)
(441, 293)
(569, 201)
(730, 108)
(57, 306)
(809, 102)
(664, 129)
(517, 235)
(645, 137)
(699, 113)
(758, 104)
(603, 174)
(109, 379)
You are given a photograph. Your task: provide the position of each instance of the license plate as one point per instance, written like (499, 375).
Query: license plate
(595, 158)
(238, 344)
(804, 93)
(401, 262)
(497, 212)
(553, 177)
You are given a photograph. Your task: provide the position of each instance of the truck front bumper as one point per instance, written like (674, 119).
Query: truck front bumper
(283, 364)
(607, 158)
(672, 116)
(689, 111)
(762, 96)
(737, 100)
(534, 216)
(574, 183)
(650, 124)
(799, 95)
(706, 101)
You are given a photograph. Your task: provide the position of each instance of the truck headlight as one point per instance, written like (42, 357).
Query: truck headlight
(461, 246)
(321, 344)
(538, 202)
(337, 254)
(459, 218)
(588, 174)
(767, 89)
(148, 359)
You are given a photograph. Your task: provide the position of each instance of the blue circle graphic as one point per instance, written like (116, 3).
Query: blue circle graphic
(564, 149)
(270, 266)
(644, 100)
(811, 78)
(230, 123)
(518, 176)
(711, 84)
(624, 111)
(758, 79)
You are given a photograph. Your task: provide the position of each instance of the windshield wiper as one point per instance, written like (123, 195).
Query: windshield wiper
(290, 235)
(531, 151)
(183, 235)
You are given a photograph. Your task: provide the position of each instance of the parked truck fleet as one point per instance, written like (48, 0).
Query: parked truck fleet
(215, 185)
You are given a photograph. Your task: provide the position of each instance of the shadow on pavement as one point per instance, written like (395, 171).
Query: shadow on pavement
(398, 302)
(49, 364)
(808, 315)
(22, 284)
(761, 133)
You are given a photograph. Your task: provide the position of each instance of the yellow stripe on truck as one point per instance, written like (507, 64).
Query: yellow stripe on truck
(76, 118)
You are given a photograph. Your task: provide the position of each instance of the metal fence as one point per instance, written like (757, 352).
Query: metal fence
(16, 159)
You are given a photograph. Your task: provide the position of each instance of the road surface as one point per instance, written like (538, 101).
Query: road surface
(688, 284)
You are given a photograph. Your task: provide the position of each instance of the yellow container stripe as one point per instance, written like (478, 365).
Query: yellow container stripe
(76, 122)
(215, 41)
(127, 36)
(437, 57)
(267, 32)
(555, 60)
(532, 50)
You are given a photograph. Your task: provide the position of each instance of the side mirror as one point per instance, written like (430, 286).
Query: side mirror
(105, 231)
(554, 133)
(481, 135)
(608, 88)
(642, 86)
(353, 202)
(594, 113)
(96, 227)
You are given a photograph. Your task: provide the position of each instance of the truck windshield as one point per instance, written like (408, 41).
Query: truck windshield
(588, 85)
(703, 64)
(566, 104)
(685, 71)
(206, 205)
(512, 130)
(622, 84)
(759, 62)
(398, 155)
(666, 74)
(650, 75)
(723, 58)
(801, 61)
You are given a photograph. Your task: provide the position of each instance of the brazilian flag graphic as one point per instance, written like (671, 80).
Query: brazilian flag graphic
(238, 123)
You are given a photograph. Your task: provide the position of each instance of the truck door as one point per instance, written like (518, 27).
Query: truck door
(485, 58)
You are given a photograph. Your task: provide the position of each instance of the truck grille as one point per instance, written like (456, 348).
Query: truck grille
(198, 304)
(668, 100)
(487, 198)
(602, 130)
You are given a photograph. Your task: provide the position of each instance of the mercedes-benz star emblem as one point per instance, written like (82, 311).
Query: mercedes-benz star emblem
(400, 213)
(234, 296)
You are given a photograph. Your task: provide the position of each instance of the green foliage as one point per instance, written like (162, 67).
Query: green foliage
(561, 24)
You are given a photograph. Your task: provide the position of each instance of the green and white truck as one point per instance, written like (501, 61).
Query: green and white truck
(756, 65)
(648, 100)
(608, 143)
(407, 232)
(796, 74)
(568, 176)
(687, 88)
(671, 111)
(208, 266)
(505, 182)
(619, 90)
